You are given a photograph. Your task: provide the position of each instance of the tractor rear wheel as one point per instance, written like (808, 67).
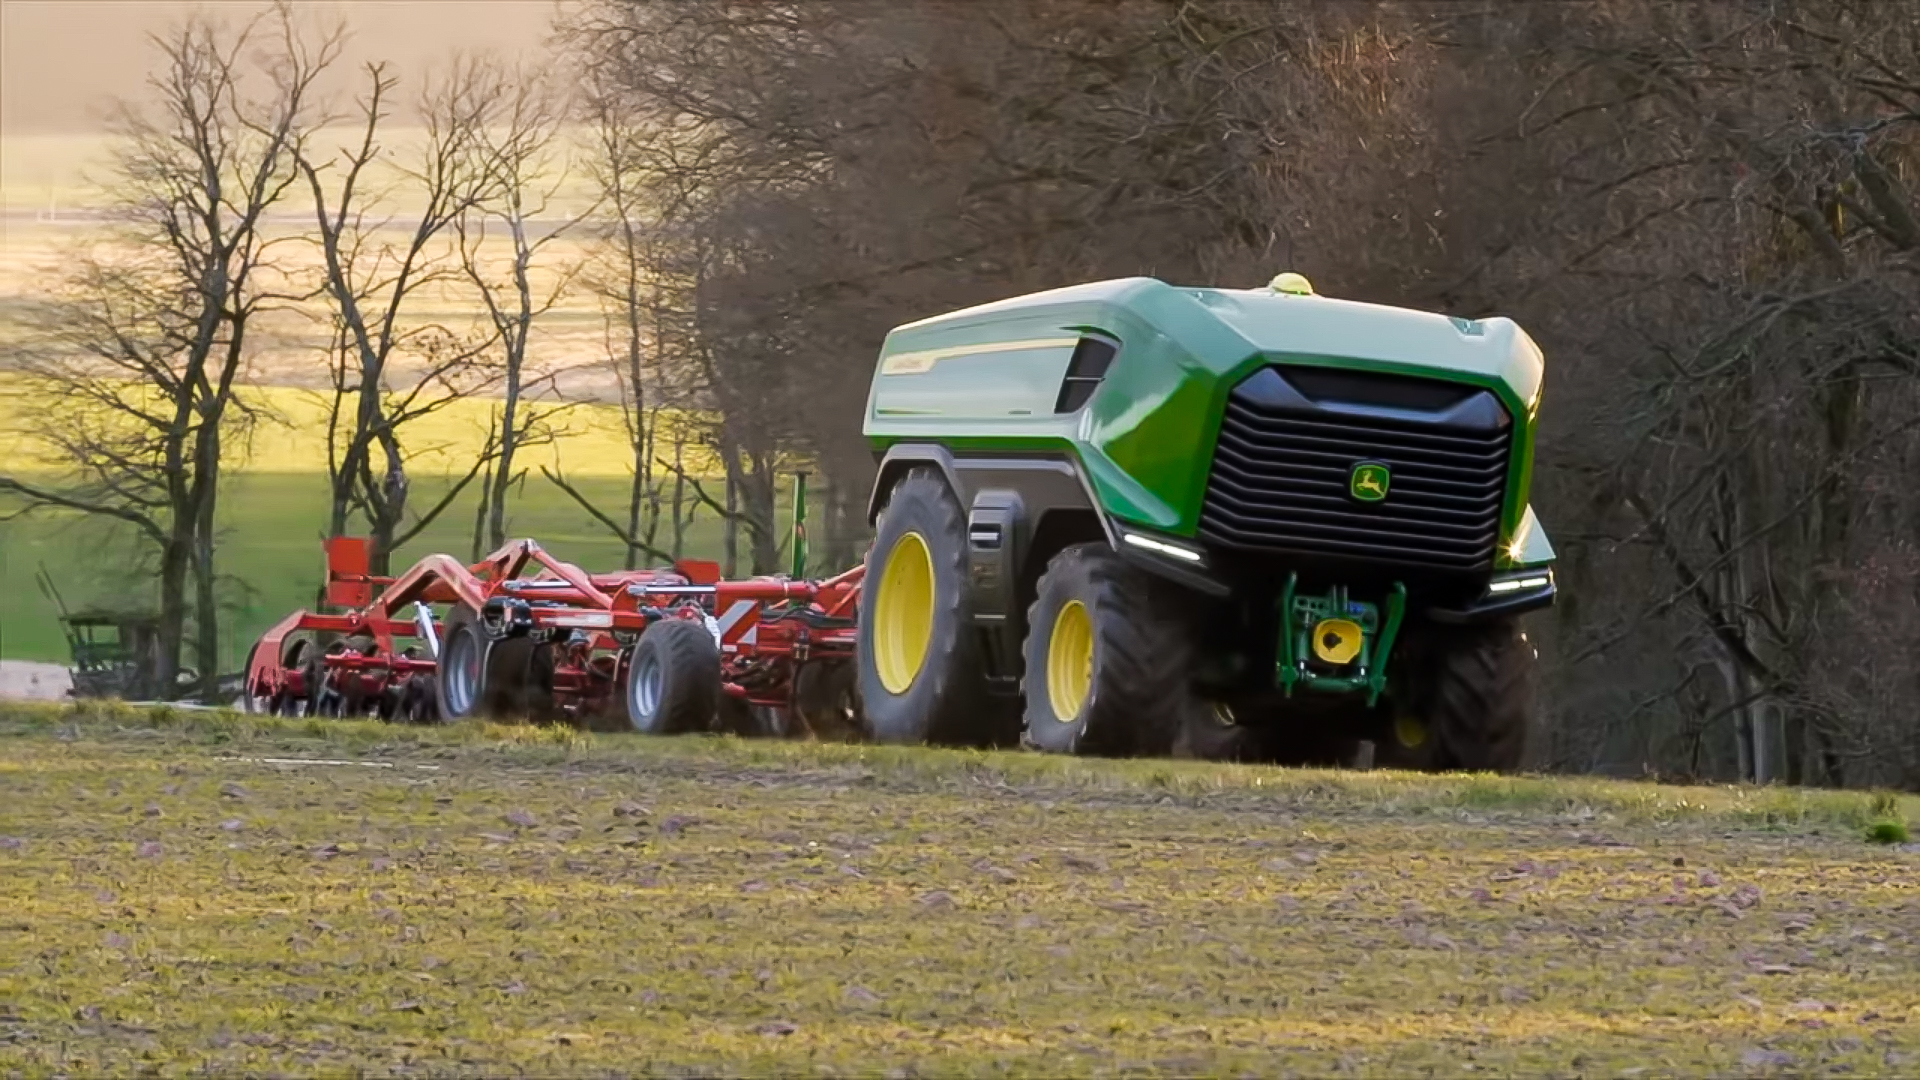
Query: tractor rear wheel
(673, 679)
(921, 677)
(1474, 699)
(1108, 658)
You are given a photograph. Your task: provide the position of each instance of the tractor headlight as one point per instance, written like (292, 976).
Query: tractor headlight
(1178, 552)
(1524, 581)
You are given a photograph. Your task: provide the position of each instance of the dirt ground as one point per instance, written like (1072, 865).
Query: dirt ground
(238, 896)
(25, 680)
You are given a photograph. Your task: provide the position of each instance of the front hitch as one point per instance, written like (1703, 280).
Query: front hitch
(1334, 644)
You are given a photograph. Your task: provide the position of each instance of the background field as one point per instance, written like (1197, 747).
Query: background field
(274, 523)
(563, 904)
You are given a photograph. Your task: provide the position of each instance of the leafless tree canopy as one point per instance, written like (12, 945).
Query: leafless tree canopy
(144, 336)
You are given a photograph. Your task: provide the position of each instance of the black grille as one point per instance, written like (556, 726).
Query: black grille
(1281, 472)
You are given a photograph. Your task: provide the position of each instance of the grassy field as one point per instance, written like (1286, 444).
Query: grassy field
(515, 900)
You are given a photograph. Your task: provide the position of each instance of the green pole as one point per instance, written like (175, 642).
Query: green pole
(1289, 662)
(800, 525)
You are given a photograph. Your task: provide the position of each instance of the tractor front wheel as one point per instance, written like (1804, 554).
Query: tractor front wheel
(921, 678)
(673, 679)
(1108, 658)
(1474, 700)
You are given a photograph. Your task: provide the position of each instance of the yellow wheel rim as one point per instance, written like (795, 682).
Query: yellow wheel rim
(1070, 661)
(1409, 732)
(903, 614)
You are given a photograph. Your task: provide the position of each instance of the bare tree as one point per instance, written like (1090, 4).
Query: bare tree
(520, 143)
(389, 369)
(146, 337)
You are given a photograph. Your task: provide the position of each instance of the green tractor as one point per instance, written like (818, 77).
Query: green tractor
(1131, 518)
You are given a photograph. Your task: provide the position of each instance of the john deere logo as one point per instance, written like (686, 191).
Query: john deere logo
(1369, 481)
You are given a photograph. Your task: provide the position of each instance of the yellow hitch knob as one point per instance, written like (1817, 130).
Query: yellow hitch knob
(1337, 641)
(1292, 284)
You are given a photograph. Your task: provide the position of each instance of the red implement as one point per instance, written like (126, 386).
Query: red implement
(521, 634)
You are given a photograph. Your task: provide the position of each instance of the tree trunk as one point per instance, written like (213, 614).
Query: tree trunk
(480, 516)
(176, 559)
(679, 495)
(730, 529)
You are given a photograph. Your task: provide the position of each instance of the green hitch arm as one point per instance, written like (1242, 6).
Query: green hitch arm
(1289, 664)
(799, 525)
(1383, 645)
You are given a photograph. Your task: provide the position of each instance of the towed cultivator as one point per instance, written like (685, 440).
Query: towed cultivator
(523, 634)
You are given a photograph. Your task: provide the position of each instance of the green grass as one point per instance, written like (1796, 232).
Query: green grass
(501, 900)
(1888, 831)
(270, 552)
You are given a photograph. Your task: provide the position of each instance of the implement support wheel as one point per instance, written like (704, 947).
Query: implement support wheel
(673, 679)
(460, 677)
(826, 695)
(1107, 658)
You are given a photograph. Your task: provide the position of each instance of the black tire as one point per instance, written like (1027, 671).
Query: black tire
(1407, 743)
(944, 699)
(826, 695)
(459, 682)
(1269, 736)
(673, 679)
(249, 704)
(419, 702)
(1474, 702)
(507, 689)
(1139, 694)
(742, 718)
(1274, 730)
(293, 655)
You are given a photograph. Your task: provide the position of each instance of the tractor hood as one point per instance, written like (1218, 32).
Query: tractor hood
(994, 379)
(1409, 341)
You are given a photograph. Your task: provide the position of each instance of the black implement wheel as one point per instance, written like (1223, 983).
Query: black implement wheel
(826, 695)
(250, 704)
(920, 673)
(1108, 658)
(419, 703)
(673, 679)
(460, 677)
(519, 681)
(293, 657)
(506, 687)
(1472, 706)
